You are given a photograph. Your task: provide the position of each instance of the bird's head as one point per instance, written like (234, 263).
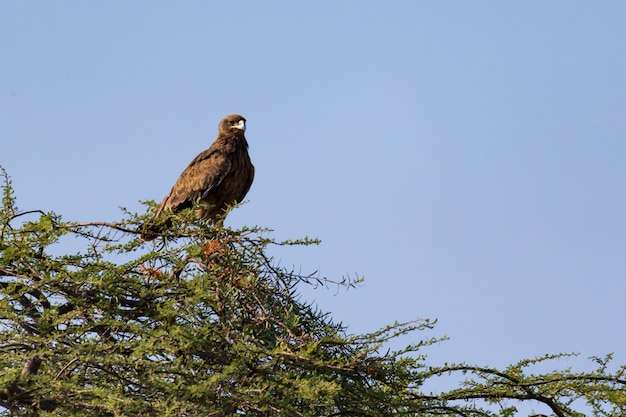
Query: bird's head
(233, 122)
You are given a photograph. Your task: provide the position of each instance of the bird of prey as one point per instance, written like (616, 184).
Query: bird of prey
(218, 177)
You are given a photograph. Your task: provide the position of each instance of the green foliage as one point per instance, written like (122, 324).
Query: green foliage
(201, 322)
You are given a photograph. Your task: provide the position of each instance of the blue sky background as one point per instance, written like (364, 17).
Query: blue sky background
(468, 158)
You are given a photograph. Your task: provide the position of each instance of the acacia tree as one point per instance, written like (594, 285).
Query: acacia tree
(203, 323)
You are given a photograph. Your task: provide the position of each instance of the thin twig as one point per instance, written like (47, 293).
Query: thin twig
(65, 367)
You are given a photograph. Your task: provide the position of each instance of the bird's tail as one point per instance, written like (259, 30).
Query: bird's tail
(153, 229)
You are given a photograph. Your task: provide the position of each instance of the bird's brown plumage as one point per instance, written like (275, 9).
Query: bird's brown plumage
(218, 177)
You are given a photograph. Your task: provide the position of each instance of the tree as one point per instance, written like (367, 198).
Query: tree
(203, 323)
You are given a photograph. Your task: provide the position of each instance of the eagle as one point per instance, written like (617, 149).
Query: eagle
(218, 178)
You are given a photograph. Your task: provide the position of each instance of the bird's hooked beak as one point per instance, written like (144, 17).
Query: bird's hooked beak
(241, 125)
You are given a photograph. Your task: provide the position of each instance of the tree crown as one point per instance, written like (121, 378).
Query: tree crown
(203, 322)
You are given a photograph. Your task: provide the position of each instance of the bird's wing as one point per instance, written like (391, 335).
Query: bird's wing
(203, 174)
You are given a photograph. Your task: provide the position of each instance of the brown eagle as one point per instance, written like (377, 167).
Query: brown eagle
(218, 177)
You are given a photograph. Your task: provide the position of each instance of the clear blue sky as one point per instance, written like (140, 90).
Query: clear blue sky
(468, 158)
